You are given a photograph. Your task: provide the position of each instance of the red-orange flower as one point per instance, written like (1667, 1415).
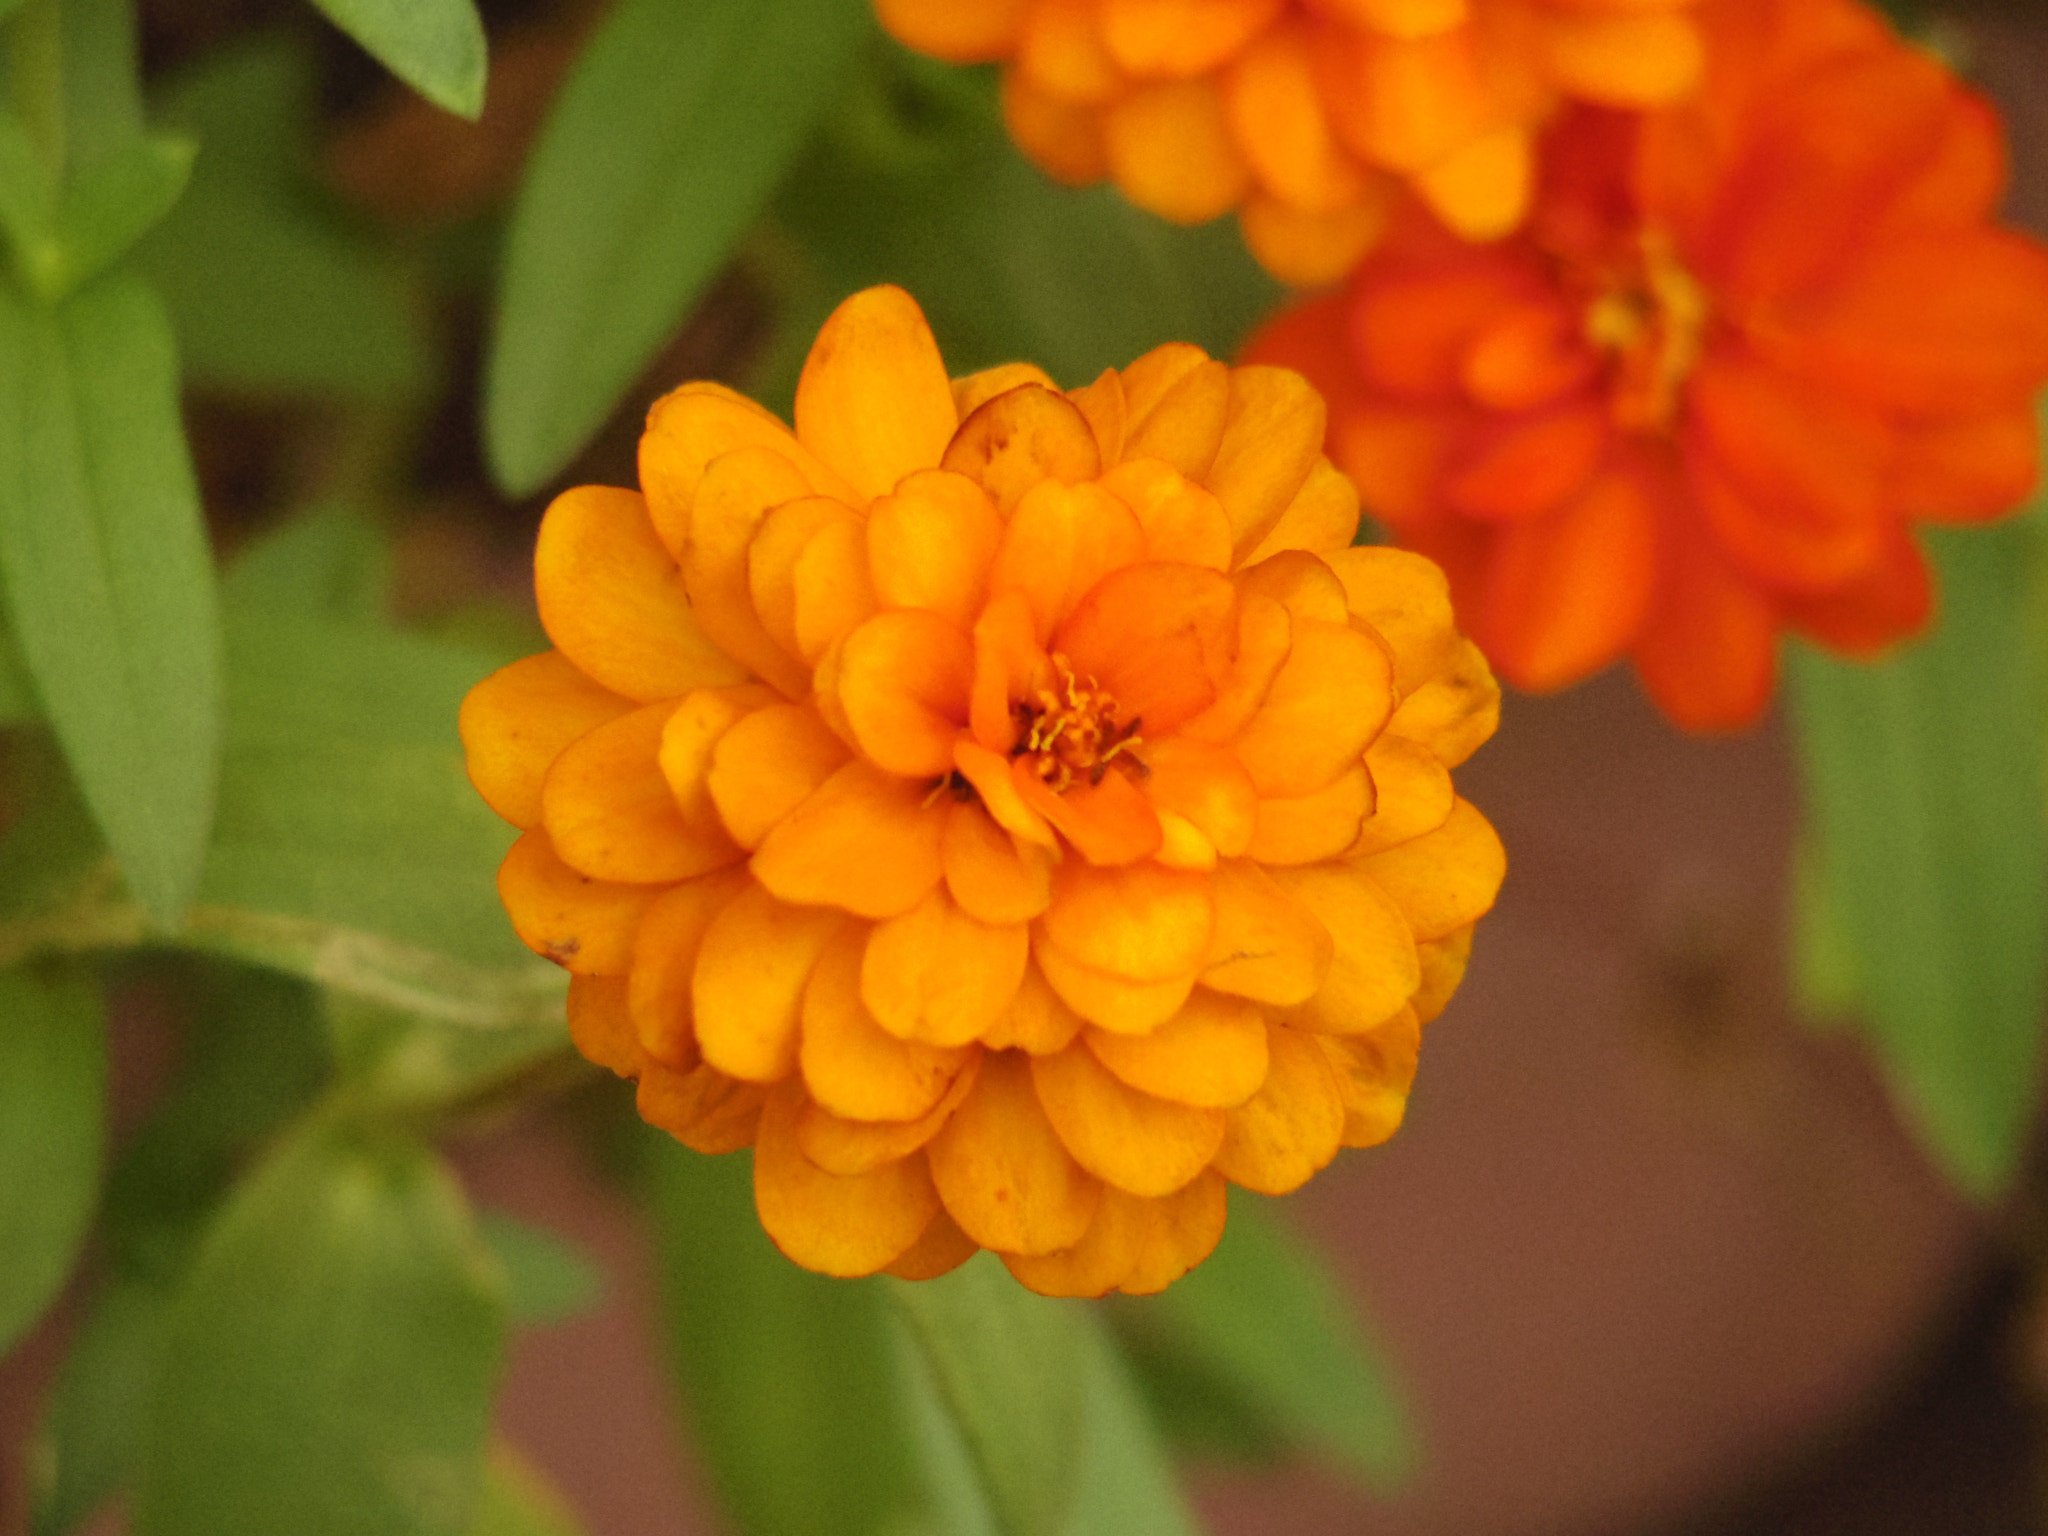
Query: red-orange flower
(1742, 345)
(1012, 812)
(1305, 114)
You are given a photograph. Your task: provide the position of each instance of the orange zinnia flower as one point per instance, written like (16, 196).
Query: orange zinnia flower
(1304, 114)
(1014, 813)
(1743, 342)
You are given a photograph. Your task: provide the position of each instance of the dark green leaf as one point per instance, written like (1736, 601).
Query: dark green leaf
(1009, 1367)
(107, 575)
(434, 46)
(332, 1354)
(517, 1501)
(102, 81)
(1924, 790)
(548, 1280)
(86, 1444)
(53, 1068)
(1263, 1319)
(791, 1376)
(671, 133)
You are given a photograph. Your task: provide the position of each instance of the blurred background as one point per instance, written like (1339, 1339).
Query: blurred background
(1653, 1255)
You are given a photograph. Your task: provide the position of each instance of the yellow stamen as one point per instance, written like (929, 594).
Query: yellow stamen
(1070, 732)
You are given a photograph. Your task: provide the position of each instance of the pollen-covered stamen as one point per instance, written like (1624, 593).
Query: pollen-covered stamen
(1651, 314)
(1070, 732)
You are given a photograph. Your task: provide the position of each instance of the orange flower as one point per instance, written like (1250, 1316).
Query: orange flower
(1743, 342)
(1014, 813)
(1304, 114)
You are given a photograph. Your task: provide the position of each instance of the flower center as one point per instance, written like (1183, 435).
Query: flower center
(1651, 315)
(1070, 732)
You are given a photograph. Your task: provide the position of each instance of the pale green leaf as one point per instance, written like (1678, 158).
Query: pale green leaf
(517, 1501)
(92, 1421)
(434, 46)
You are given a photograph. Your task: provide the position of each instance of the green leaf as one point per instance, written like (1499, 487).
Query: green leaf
(791, 1376)
(268, 289)
(672, 131)
(1263, 1319)
(91, 1428)
(434, 46)
(1009, 1367)
(327, 562)
(18, 702)
(108, 580)
(332, 1355)
(53, 1070)
(517, 1501)
(548, 1279)
(60, 246)
(1924, 787)
(1126, 1485)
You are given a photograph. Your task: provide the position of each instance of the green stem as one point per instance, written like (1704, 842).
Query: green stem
(35, 78)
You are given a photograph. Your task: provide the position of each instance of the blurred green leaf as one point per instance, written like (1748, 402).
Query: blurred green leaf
(790, 1376)
(434, 46)
(59, 245)
(91, 1427)
(1009, 1365)
(1263, 1318)
(332, 1354)
(517, 1501)
(102, 80)
(915, 182)
(1126, 1485)
(18, 702)
(399, 1062)
(268, 289)
(1824, 980)
(1925, 797)
(53, 1071)
(548, 1279)
(108, 578)
(672, 131)
(326, 563)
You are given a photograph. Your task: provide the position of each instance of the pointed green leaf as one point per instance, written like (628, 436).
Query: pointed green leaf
(107, 574)
(110, 207)
(517, 1501)
(53, 1070)
(434, 46)
(674, 128)
(1924, 787)
(547, 1278)
(332, 1355)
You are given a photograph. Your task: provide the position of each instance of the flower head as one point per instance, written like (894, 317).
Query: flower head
(1305, 115)
(1743, 343)
(1013, 812)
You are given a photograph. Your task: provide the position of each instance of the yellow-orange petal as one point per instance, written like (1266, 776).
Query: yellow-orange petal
(1301, 583)
(1322, 519)
(1178, 39)
(1171, 151)
(1061, 540)
(930, 544)
(1182, 521)
(843, 1146)
(1270, 91)
(1002, 1170)
(1267, 945)
(1454, 711)
(942, 1249)
(689, 744)
(665, 950)
(1135, 1245)
(609, 811)
(1175, 400)
(1265, 635)
(1103, 403)
(1290, 1129)
(1156, 638)
(1482, 188)
(601, 1026)
(851, 1065)
(1212, 1053)
(1309, 248)
(1009, 666)
(1108, 823)
(1407, 601)
(585, 926)
(748, 987)
(1038, 1020)
(1304, 829)
(690, 428)
(991, 775)
(738, 491)
(782, 543)
(517, 721)
(1373, 968)
(978, 389)
(993, 874)
(1443, 967)
(1208, 787)
(1272, 437)
(611, 598)
(903, 682)
(959, 33)
(835, 1224)
(1025, 435)
(1139, 1143)
(1138, 921)
(1374, 1072)
(937, 975)
(1444, 879)
(874, 401)
(1412, 790)
(1330, 698)
(767, 765)
(865, 841)
(1110, 1002)
(1062, 137)
(1637, 59)
(702, 1108)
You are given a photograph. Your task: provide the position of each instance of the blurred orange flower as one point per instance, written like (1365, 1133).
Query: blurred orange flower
(1013, 812)
(1743, 342)
(1306, 114)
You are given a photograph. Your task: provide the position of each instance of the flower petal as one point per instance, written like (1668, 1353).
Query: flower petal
(1212, 1053)
(1443, 967)
(704, 1109)
(601, 1026)
(1183, 522)
(610, 813)
(1412, 794)
(935, 974)
(1205, 785)
(1136, 1245)
(1037, 1020)
(1444, 879)
(992, 777)
(904, 680)
(1322, 519)
(790, 536)
(1141, 1144)
(1171, 151)
(1304, 829)
(1002, 1170)
(1290, 1129)
(738, 492)
(1455, 711)
(1157, 638)
(517, 721)
(1709, 655)
(831, 1223)
(1111, 1002)
(1108, 823)
(1330, 698)
(748, 988)
(1060, 541)
(930, 544)
(1137, 921)
(874, 401)
(942, 1249)
(585, 926)
(859, 1146)
(851, 1065)
(1267, 945)
(994, 875)
(767, 765)
(690, 428)
(1374, 1072)
(612, 599)
(665, 950)
(1373, 968)
(1019, 438)
(1272, 437)
(865, 841)
(1176, 399)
